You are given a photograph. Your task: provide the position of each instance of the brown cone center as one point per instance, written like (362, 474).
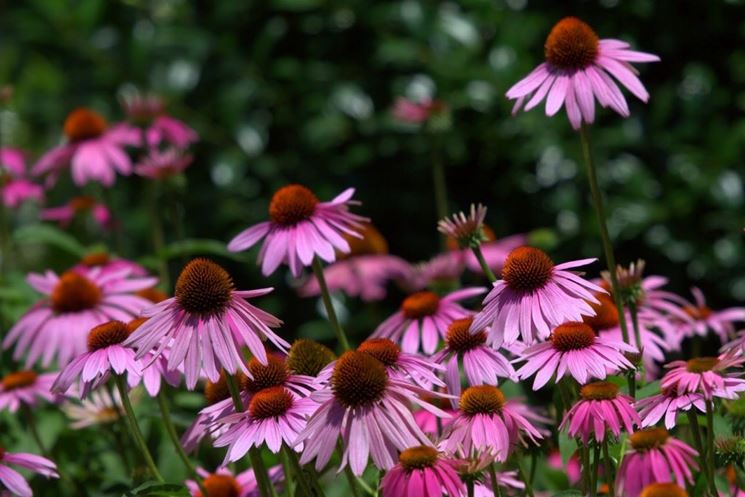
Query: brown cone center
(19, 379)
(571, 45)
(701, 364)
(308, 358)
(572, 336)
(272, 374)
(420, 457)
(420, 304)
(107, 334)
(606, 313)
(83, 124)
(204, 288)
(270, 403)
(527, 269)
(358, 379)
(663, 490)
(460, 339)
(292, 204)
(482, 399)
(649, 438)
(219, 485)
(95, 259)
(74, 293)
(381, 349)
(599, 390)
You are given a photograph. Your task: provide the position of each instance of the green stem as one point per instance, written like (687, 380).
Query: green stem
(584, 455)
(634, 312)
(328, 304)
(165, 414)
(484, 266)
(469, 488)
(266, 489)
(524, 477)
(353, 485)
(134, 427)
(710, 443)
(307, 479)
(440, 187)
(698, 440)
(594, 475)
(289, 491)
(609, 471)
(157, 233)
(597, 200)
(494, 482)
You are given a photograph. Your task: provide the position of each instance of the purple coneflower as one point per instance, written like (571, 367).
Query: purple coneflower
(161, 164)
(409, 111)
(705, 375)
(105, 355)
(533, 296)
(25, 388)
(423, 471)
(578, 71)
(481, 364)
(704, 318)
(15, 187)
(14, 481)
(400, 364)
(95, 151)
(426, 316)
(75, 302)
(108, 263)
(300, 228)
(77, 207)
(223, 483)
(573, 349)
(369, 410)
(668, 403)
(99, 408)
(655, 456)
(149, 110)
(155, 367)
(487, 422)
(206, 324)
(441, 270)
(219, 405)
(601, 408)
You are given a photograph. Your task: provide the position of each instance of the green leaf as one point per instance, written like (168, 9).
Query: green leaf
(155, 489)
(49, 235)
(648, 390)
(567, 447)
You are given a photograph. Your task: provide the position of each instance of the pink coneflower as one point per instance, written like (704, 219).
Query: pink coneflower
(25, 388)
(573, 468)
(466, 230)
(15, 187)
(107, 263)
(99, 408)
(577, 71)
(573, 349)
(473, 468)
(705, 375)
(424, 314)
(95, 151)
(533, 296)
(425, 472)
(14, 481)
(481, 364)
(654, 457)
(408, 111)
(704, 318)
(148, 110)
(486, 422)
(370, 410)
(206, 324)
(105, 355)
(668, 403)
(400, 364)
(75, 302)
(161, 164)
(301, 228)
(430, 423)
(223, 483)
(274, 415)
(308, 358)
(505, 479)
(535, 415)
(365, 271)
(79, 207)
(601, 408)
(155, 367)
(495, 252)
(219, 405)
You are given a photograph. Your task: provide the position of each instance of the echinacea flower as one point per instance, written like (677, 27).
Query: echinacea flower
(365, 271)
(105, 355)
(487, 422)
(155, 369)
(14, 481)
(94, 151)
(705, 375)
(430, 423)
(425, 316)
(219, 405)
(418, 369)
(578, 71)
(161, 164)
(573, 349)
(474, 468)
(75, 302)
(534, 296)
(25, 388)
(79, 207)
(441, 271)
(99, 408)
(422, 471)
(495, 252)
(601, 409)
(108, 263)
(15, 187)
(223, 483)
(704, 318)
(308, 358)
(466, 230)
(663, 490)
(481, 364)
(655, 457)
(149, 111)
(369, 409)
(573, 468)
(300, 228)
(208, 321)
(409, 111)
(668, 404)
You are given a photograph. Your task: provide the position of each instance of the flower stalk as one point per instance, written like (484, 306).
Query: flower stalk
(329, 304)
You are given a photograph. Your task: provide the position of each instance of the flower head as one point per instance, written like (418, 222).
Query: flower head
(206, 324)
(533, 296)
(495, 251)
(704, 318)
(79, 207)
(99, 408)
(573, 348)
(95, 151)
(369, 409)
(425, 316)
(219, 405)
(468, 231)
(601, 408)
(577, 71)
(15, 187)
(300, 228)
(410, 366)
(655, 457)
(74, 302)
(161, 164)
(663, 490)
(667, 403)
(308, 358)
(705, 375)
(14, 481)
(25, 388)
(408, 111)
(487, 422)
(422, 471)
(223, 483)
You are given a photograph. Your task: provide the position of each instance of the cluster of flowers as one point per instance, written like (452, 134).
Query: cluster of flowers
(423, 396)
